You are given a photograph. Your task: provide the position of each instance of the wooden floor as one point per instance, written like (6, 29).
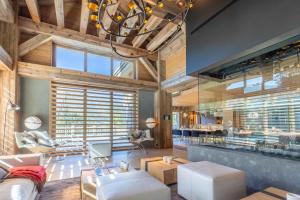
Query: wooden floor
(59, 168)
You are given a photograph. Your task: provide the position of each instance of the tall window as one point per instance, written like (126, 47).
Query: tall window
(84, 114)
(90, 62)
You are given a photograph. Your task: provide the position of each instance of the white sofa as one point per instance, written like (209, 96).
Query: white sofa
(210, 181)
(19, 188)
(136, 185)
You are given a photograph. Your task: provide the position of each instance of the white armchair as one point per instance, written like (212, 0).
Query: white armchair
(31, 148)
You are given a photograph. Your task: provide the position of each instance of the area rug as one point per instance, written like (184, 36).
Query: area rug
(70, 189)
(61, 189)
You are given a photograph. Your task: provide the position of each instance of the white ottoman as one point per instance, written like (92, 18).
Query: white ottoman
(210, 181)
(136, 185)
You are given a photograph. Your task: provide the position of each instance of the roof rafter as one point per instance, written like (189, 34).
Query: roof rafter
(162, 36)
(33, 43)
(65, 35)
(59, 10)
(34, 10)
(152, 23)
(84, 18)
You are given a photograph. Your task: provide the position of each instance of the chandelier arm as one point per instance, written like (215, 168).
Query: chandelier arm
(139, 34)
(137, 14)
(170, 39)
(116, 22)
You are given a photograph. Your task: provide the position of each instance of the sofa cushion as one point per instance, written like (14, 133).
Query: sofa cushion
(17, 189)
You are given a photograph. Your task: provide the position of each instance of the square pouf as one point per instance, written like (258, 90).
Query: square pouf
(137, 185)
(210, 181)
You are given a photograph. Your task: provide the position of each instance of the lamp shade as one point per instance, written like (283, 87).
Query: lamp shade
(150, 122)
(32, 123)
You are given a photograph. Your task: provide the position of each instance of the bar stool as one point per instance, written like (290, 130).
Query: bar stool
(202, 135)
(176, 132)
(195, 134)
(218, 136)
(186, 133)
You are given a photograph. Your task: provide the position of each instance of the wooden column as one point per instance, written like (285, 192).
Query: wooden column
(9, 84)
(162, 111)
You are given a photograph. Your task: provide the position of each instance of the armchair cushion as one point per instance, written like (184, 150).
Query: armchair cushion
(40, 134)
(45, 142)
(27, 139)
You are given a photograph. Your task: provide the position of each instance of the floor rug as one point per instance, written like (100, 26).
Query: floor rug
(68, 189)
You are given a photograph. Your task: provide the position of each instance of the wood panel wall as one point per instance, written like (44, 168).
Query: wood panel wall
(9, 35)
(41, 55)
(176, 63)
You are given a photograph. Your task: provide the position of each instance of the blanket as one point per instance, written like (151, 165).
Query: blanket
(37, 174)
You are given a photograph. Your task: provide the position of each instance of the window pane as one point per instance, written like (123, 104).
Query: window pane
(98, 64)
(69, 59)
(253, 85)
(123, 68)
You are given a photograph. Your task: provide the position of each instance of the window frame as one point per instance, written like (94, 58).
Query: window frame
(86, 52)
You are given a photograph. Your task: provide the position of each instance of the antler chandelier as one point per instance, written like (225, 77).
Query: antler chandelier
(134, 24)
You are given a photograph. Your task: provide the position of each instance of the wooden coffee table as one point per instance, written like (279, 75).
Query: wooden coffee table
(166, 173)
(270, 193)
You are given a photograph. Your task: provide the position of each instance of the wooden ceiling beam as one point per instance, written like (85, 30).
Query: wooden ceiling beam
(6, 11)
(150, 68)
(5, 59)
(162, 36)
(106, 20)
(79, 40)
(71, 76)
(84, 18)
(152, 23)
(34, 11)
(59, 10)
(33, 43)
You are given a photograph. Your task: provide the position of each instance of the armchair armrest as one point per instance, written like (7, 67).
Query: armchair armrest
(21, 160)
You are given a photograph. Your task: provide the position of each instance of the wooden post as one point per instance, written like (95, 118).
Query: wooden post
(9, 36)
(162, 110)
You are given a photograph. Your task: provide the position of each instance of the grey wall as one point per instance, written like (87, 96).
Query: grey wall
(261, 171)
(146, 107)
(35, 101)
(245, 27)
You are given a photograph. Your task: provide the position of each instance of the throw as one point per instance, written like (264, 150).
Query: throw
(37, 174)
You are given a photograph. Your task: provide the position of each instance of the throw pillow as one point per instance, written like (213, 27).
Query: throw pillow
(3, 174)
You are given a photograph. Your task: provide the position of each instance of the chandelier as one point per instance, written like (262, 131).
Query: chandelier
(140, 11)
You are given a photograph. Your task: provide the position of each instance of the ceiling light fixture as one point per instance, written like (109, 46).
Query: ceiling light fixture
(142, 11)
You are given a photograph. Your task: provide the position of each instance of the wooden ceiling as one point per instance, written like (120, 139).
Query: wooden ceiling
(74, 15)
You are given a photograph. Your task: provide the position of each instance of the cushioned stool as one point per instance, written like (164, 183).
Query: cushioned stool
(137, 185)
(210, 181)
